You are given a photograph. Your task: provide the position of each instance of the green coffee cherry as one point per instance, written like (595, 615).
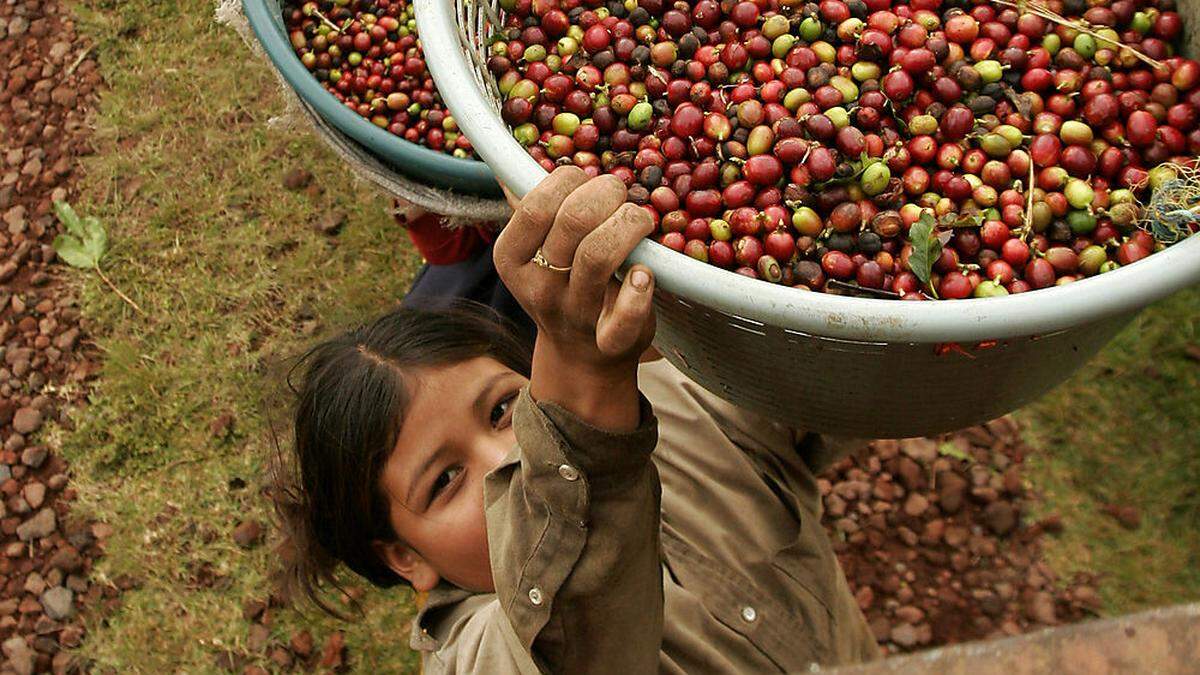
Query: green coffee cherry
(810, 29)
(989, 289)
(1081, 222)
(875, 178)
(1091, 259)
(1079, 193)
(640, 116)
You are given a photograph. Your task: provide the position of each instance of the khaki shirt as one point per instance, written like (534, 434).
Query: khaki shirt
(692, 544)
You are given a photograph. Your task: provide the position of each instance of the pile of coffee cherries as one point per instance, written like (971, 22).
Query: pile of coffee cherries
(801, 143)
(366, 53)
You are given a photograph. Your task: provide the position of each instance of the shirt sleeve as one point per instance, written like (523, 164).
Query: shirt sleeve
(442, 245)
(573, 523)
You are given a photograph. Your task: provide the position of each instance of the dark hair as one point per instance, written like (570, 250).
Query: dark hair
(349, 409)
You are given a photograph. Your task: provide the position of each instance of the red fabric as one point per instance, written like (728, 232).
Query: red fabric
(441, 245)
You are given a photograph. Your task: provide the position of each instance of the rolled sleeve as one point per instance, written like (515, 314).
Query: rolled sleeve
(573, 519)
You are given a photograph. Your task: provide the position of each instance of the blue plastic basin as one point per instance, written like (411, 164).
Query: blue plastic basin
(414, 161)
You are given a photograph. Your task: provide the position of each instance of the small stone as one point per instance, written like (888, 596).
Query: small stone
(1087, 596)
(58, 50)
(46, 626)
(64, 663)
(1039, 607)
(865, 597)
(1012, 482)
(911, 476)
(934, 529)
(1052, 523)
(1000, 517)
(66, 341)
(296, 179)
(66, 559)
(258, 637)
(58, 603)
(881, 629)
(1128, 516)
(921, 449)
(23, 664)
(302, 644)
(951, 488)
(15, 219)
(226, 660)
(281, 657)
(77, 583)
(910, 614)
(956, 535)
(71, 636)
(846, 525)
(65, 96)
(18, 26)
(35, 494)
(40, 525)
(221, 425)
(248, 534)
(333, 655)
(27, 420)
(905, 635)
(34, 456)
(252, 609)
(835, 506)
(330, 223)
(34, 583)
(916, 504)
(985, 495)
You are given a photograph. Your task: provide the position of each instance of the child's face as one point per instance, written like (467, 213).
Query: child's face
(457, 429)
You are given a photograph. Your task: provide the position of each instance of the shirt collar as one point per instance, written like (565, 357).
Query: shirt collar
(443, 596)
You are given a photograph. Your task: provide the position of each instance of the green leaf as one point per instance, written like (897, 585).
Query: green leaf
(68, 217)
(95, 238)
(951, 450)
(925, 247)
(86, 240)
(72, 250)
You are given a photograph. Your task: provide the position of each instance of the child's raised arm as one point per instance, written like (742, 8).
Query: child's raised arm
(573, 512)
(558, 256)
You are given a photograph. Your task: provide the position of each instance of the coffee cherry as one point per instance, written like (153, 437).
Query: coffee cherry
(798, 149)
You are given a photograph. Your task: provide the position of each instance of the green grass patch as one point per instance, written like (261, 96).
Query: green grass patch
(1125, 430)
(187, 179)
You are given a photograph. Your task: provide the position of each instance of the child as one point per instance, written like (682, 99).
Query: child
(567, 510)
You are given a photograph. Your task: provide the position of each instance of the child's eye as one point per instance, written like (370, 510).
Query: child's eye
(445, 479)
(500, 412)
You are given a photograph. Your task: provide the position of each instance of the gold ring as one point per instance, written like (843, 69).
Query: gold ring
(539, 259)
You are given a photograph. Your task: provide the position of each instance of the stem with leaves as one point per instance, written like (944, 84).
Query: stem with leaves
(84, 244)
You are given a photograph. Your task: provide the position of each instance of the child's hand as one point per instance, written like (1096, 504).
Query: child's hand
(591, 329)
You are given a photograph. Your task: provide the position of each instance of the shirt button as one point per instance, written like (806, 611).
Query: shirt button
(568, 472)
(748, 614)
(535, 596)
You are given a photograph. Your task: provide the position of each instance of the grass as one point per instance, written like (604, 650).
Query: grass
(187, 178)
(1125, 430)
